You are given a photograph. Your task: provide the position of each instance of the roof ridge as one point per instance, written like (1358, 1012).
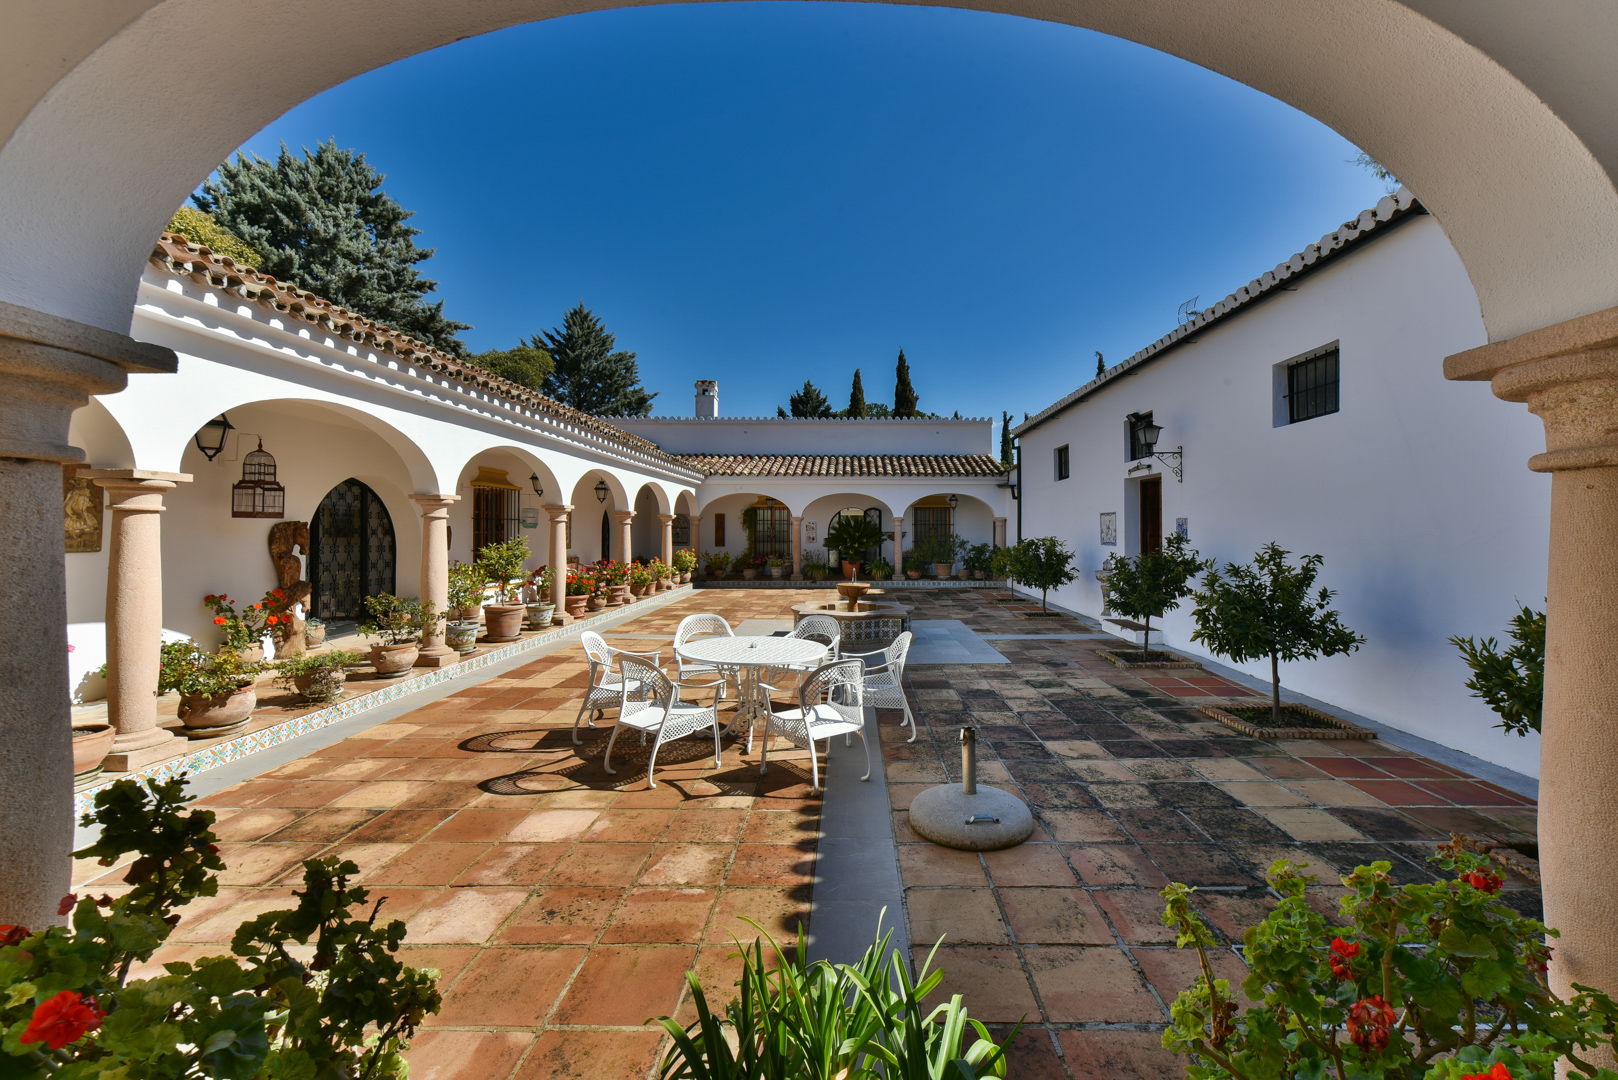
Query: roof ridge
(180, 256)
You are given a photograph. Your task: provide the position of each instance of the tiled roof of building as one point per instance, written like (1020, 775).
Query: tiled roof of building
(845, 464)
(182, 258)
(1371, 223)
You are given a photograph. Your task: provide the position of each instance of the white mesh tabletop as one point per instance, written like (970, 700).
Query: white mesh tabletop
(752, 651)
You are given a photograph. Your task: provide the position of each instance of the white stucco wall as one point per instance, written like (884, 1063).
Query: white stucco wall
(762, 435)
(1416, 492)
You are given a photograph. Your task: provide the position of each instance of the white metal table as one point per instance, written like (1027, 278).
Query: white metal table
(749, 657)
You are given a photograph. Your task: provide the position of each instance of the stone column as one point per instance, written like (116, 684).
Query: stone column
(1568, 376)
(558, 556)
(435, 575)
(668, 538)
(626, 536)
(999, 532)
(898, 548)
(52, 367)
(797, 548)
(701, 573)
(134, 613)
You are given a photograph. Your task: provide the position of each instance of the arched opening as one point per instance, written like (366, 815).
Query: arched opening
(352, 551)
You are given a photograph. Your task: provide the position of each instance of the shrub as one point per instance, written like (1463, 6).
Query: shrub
(1039, 562)
(200, 228)
(980, 558)
(396, 620)
(1439, 981)
(815, 566)
(880, 569)
(685, 561)
(502, 566)
(275, 1008)
(852, 536)
(1152, 583)
(1264, 609)
(718, 563)
(466, 582)
(322, 671)
(185, 668)
(1511, 683)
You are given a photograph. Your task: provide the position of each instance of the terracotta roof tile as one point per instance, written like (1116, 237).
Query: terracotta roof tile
(182, 258)
(845, 464)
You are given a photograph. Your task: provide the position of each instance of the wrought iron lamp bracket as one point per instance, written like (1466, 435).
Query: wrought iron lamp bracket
(1177, 466)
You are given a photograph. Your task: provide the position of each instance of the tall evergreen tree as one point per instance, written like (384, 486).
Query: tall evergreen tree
(904, 395)
(1101, 365)
(809, 403)
(525, 365)
(856, 398)
(323, 223)
(1005, 439)
(588, 374)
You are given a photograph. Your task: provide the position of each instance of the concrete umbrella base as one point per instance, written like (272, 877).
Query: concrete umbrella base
(986, 820)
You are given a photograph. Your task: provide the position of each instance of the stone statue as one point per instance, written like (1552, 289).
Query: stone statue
(285, 536)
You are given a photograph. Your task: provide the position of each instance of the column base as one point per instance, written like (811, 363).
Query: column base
(437, 657)
(560, 618)
(131, 760)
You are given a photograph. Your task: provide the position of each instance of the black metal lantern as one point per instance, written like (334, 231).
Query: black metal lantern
(257, 494)
(953, 501)
(539, 489)
(210, 438)
(1149, 434)
(601, 491)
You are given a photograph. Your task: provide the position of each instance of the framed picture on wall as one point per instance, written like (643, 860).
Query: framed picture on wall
(1109, 528)
(81, 512)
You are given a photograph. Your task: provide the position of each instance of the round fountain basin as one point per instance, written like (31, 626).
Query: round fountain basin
(871, 626)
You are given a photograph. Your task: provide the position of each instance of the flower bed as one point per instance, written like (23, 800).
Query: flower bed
(1251, 716)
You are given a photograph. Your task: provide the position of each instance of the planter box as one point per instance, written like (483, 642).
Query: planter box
(1131, 661)
(1338, 729)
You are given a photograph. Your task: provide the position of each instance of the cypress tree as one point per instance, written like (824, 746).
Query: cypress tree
(1005, 439)
(588, 374)
(323, 223)
(856, 398)
(1101, 365)
(904, 395)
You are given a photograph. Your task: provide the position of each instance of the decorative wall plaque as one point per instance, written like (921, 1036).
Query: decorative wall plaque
(1182, 527)
(1109, 528)
(81, 512)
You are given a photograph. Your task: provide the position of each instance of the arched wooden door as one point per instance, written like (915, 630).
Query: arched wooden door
(352, 553)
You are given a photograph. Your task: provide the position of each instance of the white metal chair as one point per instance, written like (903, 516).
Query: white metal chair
(831, 702)
(606, 684)
(822, 628)
(884, 680)
(650, 704)
(700, 626)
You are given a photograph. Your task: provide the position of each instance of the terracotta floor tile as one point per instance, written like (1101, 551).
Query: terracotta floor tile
(958, 916)
(218, 924)
(624, 985)
(426, 864)
(1287, 768)
(600, 865)
(552, 826)
(1343, 767)
(248, 793)
(1136, 914)
(399, 826)
(448, 960)
(1029, 864)
(1171, 970)
(660, 916)
(1307, 824)
(253, 824)
(931, 865)
(1262, 793)
(477, 824)
(312, 793)
(687, 864)
(1472, 793)
(510, 987)
(1397, 792)
(1232, 913)
(991, 980)
(561, 916)
(783, 827)
(705, 827)
(1119, 1055)
(1114, 864)
(445, 795)
(379, 793)
(782, 865)
(780, 913)
(1333, 793)
(466, 1055)
(512, 864)
(256, 864)
(464, 915)
(1090, 984)
(325, 826)
(1082, 826)
(1388, 824)
(591, 1055)
(1200, 864)
(1054, 917)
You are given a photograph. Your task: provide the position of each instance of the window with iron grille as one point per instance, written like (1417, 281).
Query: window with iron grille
(930, 521)
(772, 530)
(682, 531)
(1061, 463)
(496, 515)
(1312, 387)
(1137, 444)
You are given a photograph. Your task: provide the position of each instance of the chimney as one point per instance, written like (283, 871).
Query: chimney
(707, 399)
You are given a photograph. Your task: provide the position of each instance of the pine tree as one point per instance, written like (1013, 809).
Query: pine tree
(904, 395)
(1101, 365)
(323, 223)
(588, 375)
(1005, 439)
(809, 403)
(524, 365)
(856, 398)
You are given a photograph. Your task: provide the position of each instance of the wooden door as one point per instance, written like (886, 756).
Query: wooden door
(1151, 513)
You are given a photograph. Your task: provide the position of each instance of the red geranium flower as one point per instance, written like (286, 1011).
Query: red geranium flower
(12, 935)
(279, 594)
(1369, 1023)
(1342, 952)
(1484, 882)
(1497, 1072)
(257, 607)
(210, 598)
(271, 621)
(67, 903)
(219, 620)
(63, 1019)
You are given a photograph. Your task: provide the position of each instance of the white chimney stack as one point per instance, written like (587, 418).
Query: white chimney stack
(707, 399)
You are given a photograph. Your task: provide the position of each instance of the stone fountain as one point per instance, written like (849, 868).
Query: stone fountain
(867, 625)
(966, 816)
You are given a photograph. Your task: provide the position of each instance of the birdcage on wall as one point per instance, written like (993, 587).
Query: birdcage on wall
(258, 494)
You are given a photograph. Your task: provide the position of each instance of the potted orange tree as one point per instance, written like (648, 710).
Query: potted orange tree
(398, 623)
(502, 566)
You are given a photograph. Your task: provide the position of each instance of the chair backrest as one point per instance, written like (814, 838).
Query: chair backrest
(599, 652)
(840, 684)
(643, 685)
(695, 626)
(893, 657)
(822, 628)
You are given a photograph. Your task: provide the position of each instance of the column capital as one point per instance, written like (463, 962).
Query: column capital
(667, 519)
(797, 518)
(623, 516)
(558, 511)
(145, 478)
(429, 501)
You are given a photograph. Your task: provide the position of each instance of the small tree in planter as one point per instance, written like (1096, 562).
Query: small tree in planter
(1264, 609)
(1512, 683)
(466, 582)
(685, 561)
(397, 621)
(502, 566)
(316, 676)
(1152, 584)
(1039, 562)
(851, 536)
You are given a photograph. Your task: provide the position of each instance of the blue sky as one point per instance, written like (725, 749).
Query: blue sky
(764, 192)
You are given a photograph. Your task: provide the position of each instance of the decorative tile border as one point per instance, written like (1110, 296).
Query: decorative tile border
(223, 753)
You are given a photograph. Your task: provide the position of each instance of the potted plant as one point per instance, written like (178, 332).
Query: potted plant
(717, 565)
(91, 745)
(536, 595)
(640, 580)
(1040, 562)
(778, 566)
(880, 569)
(815, 566)
(853, 536)
(216, 689)
(912, 565)
(244, 631)
(685, 561)
(979, 558)
(502, 567)
(1150, 585)
(314, 631)
(600, 582)
(579, 586)
(397, 623)
(466, 581)
(750, 565)
(316, 676)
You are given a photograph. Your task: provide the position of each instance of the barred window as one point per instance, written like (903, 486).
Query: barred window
(1312, 387)
(772, 530)
(1061, 463)
(495, 515)
(931, 521)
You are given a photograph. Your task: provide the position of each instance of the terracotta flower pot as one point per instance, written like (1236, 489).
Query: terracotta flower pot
(503, 622)
(913, 575)
(575, 605)
(212, 717)
(314, 635)
(597, 602)
(749, 574)
(685, 578)
(944, 569)
(617, 595)
(777, 572)
(324, 685)
(851, 570)
(91, 744)
(979, 575)
(461, 635)
(394, 661)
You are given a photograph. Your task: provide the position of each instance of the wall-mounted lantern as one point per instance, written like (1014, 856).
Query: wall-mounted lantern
(210, 438)
(601, 491)
(953, 501)
(1149, 433)
(539, 488)
(257, 494)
